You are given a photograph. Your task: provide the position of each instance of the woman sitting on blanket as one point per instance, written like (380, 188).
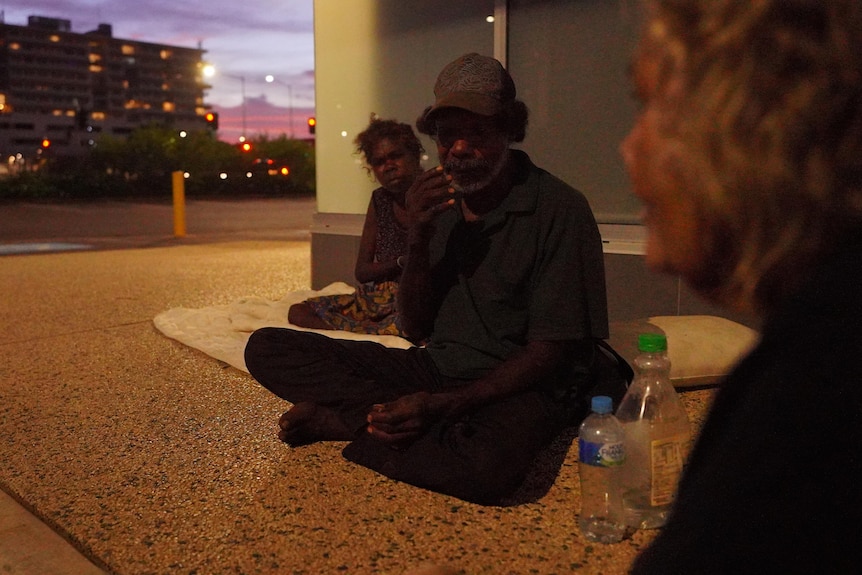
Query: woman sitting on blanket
(392, 152)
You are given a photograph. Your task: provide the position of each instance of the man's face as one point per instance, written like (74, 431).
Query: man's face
(393, 165)
(669, 209)
(472, 148)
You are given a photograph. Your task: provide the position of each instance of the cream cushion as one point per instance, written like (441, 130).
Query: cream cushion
(702, 348)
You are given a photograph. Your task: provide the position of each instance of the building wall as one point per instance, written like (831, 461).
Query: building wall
(382, 57)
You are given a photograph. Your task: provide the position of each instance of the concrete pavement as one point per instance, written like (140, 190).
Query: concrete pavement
(27, 545)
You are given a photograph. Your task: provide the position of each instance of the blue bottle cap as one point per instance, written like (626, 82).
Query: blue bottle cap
(602, 404)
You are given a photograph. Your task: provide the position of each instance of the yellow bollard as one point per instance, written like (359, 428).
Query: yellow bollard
(179, 185)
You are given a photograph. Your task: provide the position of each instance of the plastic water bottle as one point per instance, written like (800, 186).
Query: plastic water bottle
(600, 443)
(657, 436)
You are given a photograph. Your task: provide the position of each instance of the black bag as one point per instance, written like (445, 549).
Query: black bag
(612, 373)
(608, 374)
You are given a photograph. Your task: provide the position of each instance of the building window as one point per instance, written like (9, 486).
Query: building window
(168, 106)
(128, 49)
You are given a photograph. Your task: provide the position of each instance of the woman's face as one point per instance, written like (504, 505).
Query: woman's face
(655, 169)
(393, 166)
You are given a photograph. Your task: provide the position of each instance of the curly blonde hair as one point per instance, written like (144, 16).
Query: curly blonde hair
(762, 103)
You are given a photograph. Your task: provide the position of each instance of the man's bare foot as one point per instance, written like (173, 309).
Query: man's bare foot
(307, 423)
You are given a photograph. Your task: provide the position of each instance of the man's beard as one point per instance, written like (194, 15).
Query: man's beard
(492, 171)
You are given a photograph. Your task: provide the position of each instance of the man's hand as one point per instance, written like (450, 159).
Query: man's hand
(398, 423)
(430, 195)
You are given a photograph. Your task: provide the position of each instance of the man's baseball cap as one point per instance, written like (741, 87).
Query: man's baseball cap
(475, 83)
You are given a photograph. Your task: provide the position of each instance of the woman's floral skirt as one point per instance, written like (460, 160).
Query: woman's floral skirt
(371, 309)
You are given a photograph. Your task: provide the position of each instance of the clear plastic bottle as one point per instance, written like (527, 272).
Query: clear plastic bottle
(657, 436)
(600, 443)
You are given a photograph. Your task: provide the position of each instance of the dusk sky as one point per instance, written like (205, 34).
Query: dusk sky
(242, 39)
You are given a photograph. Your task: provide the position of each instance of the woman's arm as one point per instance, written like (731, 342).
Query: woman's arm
(367, 269)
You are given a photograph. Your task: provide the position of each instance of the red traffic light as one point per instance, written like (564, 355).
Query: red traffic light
(46, 143)
(245, 146)
(212, 120)
(312, 123)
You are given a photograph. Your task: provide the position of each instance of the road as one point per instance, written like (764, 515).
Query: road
(27, 227)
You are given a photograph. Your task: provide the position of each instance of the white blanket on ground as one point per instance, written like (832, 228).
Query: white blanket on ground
(222, 331)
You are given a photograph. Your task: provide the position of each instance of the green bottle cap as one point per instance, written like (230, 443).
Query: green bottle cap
(652, 342)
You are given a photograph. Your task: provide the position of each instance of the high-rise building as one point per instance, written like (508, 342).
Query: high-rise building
(62, 91)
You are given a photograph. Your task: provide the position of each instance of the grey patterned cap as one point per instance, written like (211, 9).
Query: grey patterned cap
(475, 83)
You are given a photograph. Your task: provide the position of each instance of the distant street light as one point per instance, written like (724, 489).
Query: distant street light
(270, 79)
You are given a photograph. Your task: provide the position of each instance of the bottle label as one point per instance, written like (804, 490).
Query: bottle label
(601, 454)
(667, 459)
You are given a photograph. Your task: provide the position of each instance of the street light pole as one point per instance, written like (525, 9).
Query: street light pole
(242, 83)
(290, 109)
(242, 80)
(270, 79)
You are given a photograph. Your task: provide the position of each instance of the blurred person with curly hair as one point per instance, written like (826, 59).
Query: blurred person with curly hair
(747, 156)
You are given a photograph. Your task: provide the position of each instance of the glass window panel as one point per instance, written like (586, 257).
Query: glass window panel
(570, 61)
